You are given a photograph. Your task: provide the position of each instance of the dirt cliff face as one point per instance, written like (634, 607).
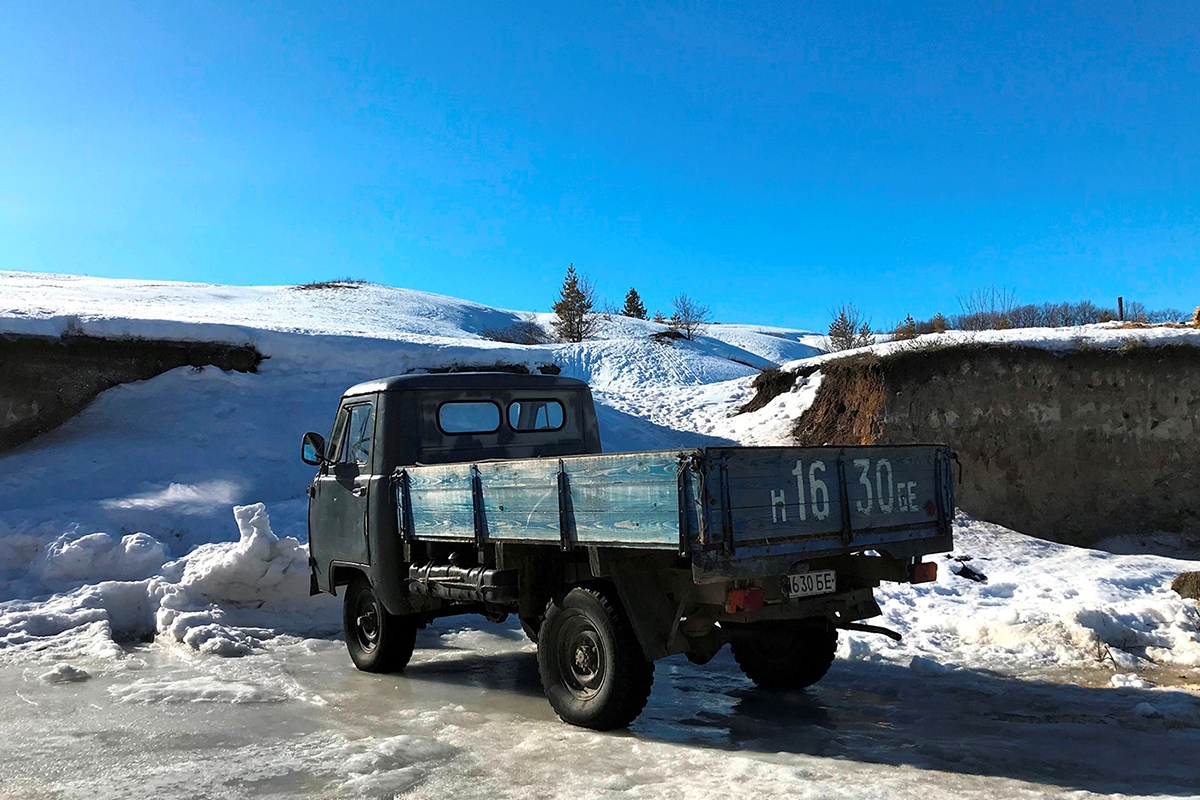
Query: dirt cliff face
(44, 381)
(1073, 447)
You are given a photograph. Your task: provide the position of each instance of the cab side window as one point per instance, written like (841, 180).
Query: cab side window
(360, 430)
(350, 440)
(337, 436)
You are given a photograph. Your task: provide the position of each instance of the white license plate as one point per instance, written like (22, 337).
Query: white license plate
(805, 584)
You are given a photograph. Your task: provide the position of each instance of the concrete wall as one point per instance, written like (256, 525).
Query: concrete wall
(44, 381)
(1072, 447)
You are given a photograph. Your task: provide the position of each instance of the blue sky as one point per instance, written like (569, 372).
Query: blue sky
(772, 160)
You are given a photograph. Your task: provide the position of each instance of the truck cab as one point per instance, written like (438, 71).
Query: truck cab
(409, 420)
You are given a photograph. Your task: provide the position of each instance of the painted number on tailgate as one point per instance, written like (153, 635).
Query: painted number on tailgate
(882, 490)
(883, 494)
(816, 498)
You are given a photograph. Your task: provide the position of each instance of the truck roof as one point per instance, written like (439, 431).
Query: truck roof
(464, 380)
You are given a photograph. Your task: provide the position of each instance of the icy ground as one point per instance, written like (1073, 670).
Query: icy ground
(157, 638)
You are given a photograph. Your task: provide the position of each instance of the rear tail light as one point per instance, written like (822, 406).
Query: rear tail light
(750, 599)
(924, 572)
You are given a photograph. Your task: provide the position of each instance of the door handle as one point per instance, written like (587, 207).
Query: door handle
(359, 491)
(312, 490)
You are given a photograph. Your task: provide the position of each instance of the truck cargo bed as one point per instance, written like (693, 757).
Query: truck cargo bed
(732, 510)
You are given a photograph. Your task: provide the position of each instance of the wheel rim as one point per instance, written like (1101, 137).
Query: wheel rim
(366, 621)
(581, 658)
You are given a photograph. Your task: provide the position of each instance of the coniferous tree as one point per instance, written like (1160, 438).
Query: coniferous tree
(633, 305)
(848, 331)
(905, 330)
(574, 320)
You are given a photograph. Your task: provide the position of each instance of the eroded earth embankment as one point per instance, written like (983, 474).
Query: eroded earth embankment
(1072, 446)
(45, 380)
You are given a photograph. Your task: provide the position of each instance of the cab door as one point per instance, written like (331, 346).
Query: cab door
(337, 519)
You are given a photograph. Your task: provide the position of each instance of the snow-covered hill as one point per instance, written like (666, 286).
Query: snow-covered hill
(121, 525)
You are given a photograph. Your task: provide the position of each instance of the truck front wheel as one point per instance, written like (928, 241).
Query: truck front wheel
(377, 641)
(592, 667)
(786, 655)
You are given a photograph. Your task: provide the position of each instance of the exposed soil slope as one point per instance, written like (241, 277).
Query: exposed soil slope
(1073, 446)
(45, 380)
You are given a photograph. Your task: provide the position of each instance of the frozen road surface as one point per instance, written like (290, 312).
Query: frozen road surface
(467, 719)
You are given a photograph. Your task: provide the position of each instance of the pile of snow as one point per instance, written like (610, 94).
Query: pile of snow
(226, 598)
(223, 589)
(1042, 605)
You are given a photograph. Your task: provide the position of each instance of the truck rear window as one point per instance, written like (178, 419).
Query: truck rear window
(469, 417)
(535, 415)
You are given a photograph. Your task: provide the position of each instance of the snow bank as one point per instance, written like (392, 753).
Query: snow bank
(1101, 336)
(1044, 605)
(227, 598)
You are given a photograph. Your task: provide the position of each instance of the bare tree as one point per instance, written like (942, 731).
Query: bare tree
(575, 320)
(1166, 315)
(986, 309)
(690, 318)
(849, 330)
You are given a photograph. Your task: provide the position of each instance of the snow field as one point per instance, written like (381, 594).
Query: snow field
(184, 524)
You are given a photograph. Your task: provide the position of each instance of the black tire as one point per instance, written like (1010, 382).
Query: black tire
(786, 656)
(377, 641)
(592, 667)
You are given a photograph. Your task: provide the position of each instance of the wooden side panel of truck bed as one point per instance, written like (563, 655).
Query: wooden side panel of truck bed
(718, 503)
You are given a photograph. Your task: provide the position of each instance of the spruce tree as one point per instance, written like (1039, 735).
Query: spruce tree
(633, 305)
(905, 330)
(848, 331)
(575, 321)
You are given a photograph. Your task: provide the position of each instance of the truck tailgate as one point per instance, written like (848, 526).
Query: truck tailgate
(772, 505)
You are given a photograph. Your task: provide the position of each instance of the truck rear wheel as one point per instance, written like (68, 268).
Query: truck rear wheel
(377, 640)
(786, 655)
(592, 667)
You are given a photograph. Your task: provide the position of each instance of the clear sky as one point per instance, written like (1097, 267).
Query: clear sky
(772, 160)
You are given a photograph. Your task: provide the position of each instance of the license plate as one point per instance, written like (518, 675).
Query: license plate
(806, 584)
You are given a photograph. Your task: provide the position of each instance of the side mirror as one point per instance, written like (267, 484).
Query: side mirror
(312, 449)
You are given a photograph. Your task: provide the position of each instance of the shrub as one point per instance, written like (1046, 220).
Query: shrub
(336, 283)
(690, 318)
(524, 331)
